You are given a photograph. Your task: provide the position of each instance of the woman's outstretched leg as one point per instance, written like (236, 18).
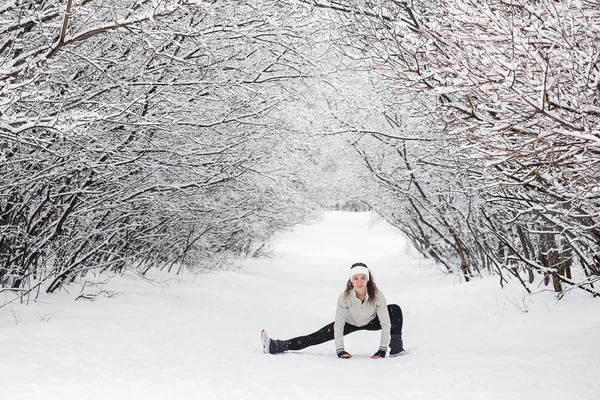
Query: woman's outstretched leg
(323, 335)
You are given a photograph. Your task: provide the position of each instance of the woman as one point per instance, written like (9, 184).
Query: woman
(360, 307)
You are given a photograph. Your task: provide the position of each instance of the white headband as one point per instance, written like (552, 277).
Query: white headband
(359, 269)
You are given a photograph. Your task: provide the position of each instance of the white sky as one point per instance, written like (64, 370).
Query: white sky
(198, 337)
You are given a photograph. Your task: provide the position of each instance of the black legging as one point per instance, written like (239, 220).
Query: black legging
(325, 334)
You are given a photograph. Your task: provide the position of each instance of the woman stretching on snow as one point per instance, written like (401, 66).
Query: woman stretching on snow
(360, 307)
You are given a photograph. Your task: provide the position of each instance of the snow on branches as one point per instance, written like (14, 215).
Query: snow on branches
(142, 134)
(513, 89)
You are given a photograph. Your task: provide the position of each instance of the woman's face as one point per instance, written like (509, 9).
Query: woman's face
(359, 281)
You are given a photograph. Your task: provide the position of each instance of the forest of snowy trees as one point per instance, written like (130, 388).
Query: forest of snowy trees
(167, 133)
(504, 172)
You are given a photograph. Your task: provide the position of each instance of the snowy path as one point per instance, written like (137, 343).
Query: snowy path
(199, 338)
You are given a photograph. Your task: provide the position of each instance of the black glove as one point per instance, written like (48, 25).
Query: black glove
(380, 353)
(340, 353)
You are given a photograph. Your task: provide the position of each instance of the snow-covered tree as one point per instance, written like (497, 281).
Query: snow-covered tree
(145, 134)
(512, 89)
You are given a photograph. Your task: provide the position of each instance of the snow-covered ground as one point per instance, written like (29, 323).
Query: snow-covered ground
(198, 337)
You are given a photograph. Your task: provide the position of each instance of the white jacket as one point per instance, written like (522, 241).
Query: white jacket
(354, 311)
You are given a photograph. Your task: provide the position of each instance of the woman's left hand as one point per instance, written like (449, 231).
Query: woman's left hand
(379, 354)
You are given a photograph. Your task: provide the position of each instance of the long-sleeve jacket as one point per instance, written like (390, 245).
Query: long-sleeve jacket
(354, 311)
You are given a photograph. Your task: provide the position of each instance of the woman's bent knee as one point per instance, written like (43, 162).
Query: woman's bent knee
(394, 308)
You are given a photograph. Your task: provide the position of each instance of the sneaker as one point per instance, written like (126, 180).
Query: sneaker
(401, 353)
(266, 341)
